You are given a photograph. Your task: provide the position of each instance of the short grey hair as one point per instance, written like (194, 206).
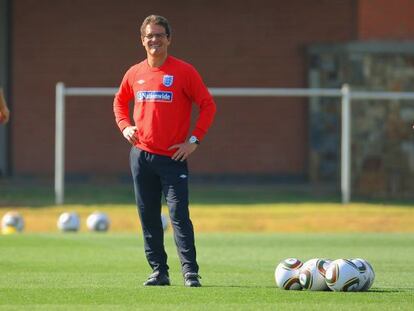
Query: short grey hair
(156, 20)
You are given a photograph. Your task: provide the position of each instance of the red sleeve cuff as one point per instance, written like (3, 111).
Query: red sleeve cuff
(123, 124)
(199, 133)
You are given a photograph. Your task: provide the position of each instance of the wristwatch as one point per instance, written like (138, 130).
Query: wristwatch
(193, 140)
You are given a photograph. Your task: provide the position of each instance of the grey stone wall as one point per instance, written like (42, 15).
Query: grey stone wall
(382, 137)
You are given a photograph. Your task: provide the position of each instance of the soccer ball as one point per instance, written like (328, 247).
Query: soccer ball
(98, 222)
(342, 275)
(165, 221)
(12, 222)
(367, 274)
(287, 274)
(68, 222)
(312, 274)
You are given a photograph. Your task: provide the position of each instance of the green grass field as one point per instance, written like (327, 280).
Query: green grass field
(87, 271)
(239, 242)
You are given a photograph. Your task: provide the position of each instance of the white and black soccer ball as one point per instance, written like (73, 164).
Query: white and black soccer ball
(98, 221)
(367, 274)
(165, 222)
(12, 222)
(312, 274)
(342, 275)
(68, 222)
(287, 274)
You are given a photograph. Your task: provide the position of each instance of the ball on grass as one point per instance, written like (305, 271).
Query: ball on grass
(98, 221)
(312, 274)
(68, 222)
(342, 275)
(12, 222)
(165, 221)
(287, 274)
(367, 274)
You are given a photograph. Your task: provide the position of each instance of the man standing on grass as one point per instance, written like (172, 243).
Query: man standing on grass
(163, 88)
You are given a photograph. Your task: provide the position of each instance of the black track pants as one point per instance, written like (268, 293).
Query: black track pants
(153, 176)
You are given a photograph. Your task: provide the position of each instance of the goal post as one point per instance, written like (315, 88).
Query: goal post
(345, 94)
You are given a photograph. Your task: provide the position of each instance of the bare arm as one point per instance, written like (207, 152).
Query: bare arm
(4, 111)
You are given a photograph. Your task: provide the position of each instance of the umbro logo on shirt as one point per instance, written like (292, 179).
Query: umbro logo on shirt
(141, 81)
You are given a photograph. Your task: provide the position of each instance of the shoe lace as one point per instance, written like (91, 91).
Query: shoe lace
(192, 276)
(154, 275)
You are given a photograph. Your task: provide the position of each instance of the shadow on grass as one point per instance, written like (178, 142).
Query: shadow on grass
(392, 290)
(238, 286)
(30, 194)
(376, 290)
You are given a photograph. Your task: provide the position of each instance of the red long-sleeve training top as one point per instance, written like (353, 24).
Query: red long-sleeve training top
(163, 98)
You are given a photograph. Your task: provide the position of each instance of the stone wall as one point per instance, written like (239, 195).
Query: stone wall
(382, 138)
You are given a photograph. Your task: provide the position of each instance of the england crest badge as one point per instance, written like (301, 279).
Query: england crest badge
(167, 80)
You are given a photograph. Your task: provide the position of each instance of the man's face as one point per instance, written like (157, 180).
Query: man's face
(155, 40)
